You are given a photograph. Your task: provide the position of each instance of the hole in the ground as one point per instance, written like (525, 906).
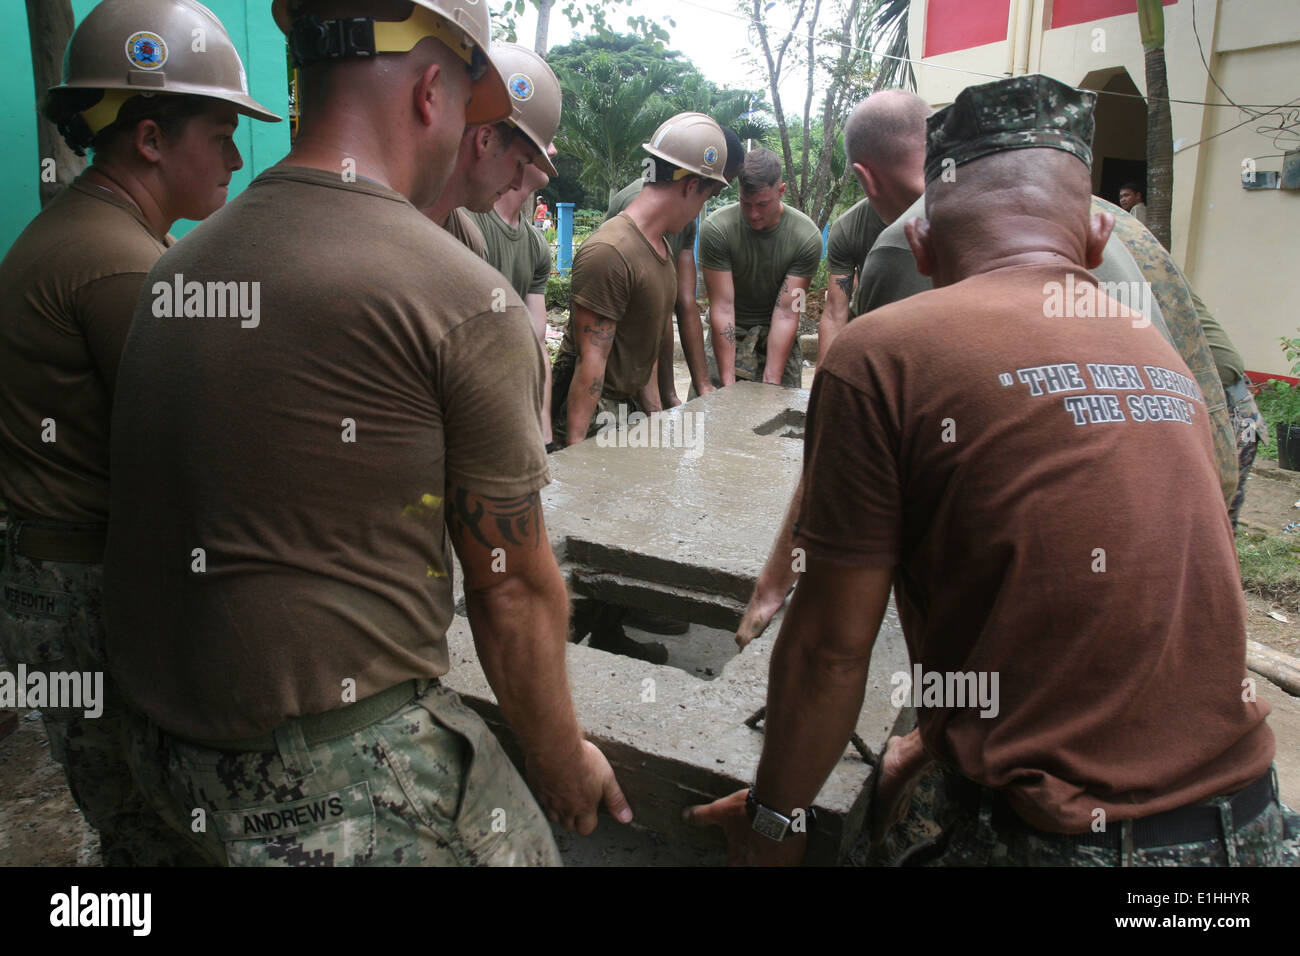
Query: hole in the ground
(699, 650)
(788, 424)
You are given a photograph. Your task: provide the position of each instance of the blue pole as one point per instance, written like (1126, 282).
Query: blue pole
(564, 252)
(826, 238)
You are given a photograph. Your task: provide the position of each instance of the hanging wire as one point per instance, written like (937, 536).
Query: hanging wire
(1267, 107)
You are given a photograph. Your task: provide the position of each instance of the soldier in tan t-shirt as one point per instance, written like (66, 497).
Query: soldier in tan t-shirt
(624, 285)
(492, 157)
(68, 289)
(315, 464)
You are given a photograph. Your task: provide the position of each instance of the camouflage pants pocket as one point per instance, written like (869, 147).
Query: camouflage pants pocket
(36, 627)
(336, 828)
(496, 820)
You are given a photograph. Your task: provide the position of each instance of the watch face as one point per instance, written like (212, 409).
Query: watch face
(770, 824)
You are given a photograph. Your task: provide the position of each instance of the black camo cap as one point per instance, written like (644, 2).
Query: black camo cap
(1023, 112)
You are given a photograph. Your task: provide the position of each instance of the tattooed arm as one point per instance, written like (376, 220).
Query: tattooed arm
(594, 335)
(518, 612)
(836, 314)
(722, 322)
(791, 303)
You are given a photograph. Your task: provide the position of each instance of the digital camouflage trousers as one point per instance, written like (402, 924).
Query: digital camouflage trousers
(50, 622)
(940, 828)
(427, 785)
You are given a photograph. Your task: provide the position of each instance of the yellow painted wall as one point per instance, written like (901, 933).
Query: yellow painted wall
(1239, 248)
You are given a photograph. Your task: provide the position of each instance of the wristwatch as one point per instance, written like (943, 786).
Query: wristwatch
(767, 822)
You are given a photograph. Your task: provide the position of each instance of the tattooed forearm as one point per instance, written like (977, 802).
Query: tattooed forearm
(729, 333)
(846, 284)
(494, 522)
(602, 331)
(596, 387)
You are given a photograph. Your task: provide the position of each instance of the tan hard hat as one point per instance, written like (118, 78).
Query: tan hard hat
(463, 26)
(129, 47)
(534, 97)
(692, 142)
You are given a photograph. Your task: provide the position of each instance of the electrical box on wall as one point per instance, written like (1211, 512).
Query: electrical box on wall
(1291, 170)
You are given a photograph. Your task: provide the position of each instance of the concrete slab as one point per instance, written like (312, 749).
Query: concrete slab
(675, 740)
(701, 522)
(685, 531)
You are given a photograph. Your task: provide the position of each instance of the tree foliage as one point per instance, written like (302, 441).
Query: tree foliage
(591, 13)
(829, 43)
(618, 89)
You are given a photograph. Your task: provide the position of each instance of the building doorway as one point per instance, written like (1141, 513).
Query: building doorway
(1119, 146)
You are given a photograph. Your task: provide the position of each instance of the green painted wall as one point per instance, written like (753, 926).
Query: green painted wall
(260, 44)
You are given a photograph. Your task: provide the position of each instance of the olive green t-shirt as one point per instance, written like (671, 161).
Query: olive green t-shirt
(462, 226)
(759, 261)
(520, 253)
(851, 238)
(1227, 360)
(68, 289)
(619, 276)
(677, 241)
(305, 448)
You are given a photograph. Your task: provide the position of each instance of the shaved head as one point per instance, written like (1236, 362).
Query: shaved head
(1015, 207)
(395, 118)
(886, 129)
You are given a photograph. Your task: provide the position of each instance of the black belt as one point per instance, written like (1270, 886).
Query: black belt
(55, 541)
(1195, 823)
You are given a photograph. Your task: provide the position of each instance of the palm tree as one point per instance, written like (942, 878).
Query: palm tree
(887, 34)
(606, 118)
(1160, 126)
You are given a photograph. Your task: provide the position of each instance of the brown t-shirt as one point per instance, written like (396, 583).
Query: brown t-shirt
(1004, 464)
(618, 275)
(307, 450)
(68, 288)
(467, 232)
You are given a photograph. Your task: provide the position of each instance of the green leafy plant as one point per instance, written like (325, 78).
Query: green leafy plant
(1291, 349)
(557, 291)
(1283, 405)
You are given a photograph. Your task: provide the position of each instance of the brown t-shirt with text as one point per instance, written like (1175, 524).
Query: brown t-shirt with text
(68, 288)
(1044, 489)
(278, 542)
(618, 275)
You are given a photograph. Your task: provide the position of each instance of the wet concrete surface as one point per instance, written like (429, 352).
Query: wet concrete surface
(685, 531)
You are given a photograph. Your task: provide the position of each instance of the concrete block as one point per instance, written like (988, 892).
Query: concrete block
(685, 532)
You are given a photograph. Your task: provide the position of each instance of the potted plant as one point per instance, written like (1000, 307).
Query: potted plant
(1286, 410)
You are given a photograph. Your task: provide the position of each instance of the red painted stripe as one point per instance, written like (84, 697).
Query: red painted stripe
(1066, 13)
(961, 24)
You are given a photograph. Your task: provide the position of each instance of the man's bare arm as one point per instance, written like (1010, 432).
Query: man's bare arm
(836, 314)
(690, 328)
(776, 579)
(722, 322)
(536, 303)
(518, 612)
(594, 335)
(791, 302)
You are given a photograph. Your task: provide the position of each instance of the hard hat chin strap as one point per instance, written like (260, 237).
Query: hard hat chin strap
(312, 40)
(104, 113)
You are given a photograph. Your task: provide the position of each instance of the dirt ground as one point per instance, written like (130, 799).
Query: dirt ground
(41, 826)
